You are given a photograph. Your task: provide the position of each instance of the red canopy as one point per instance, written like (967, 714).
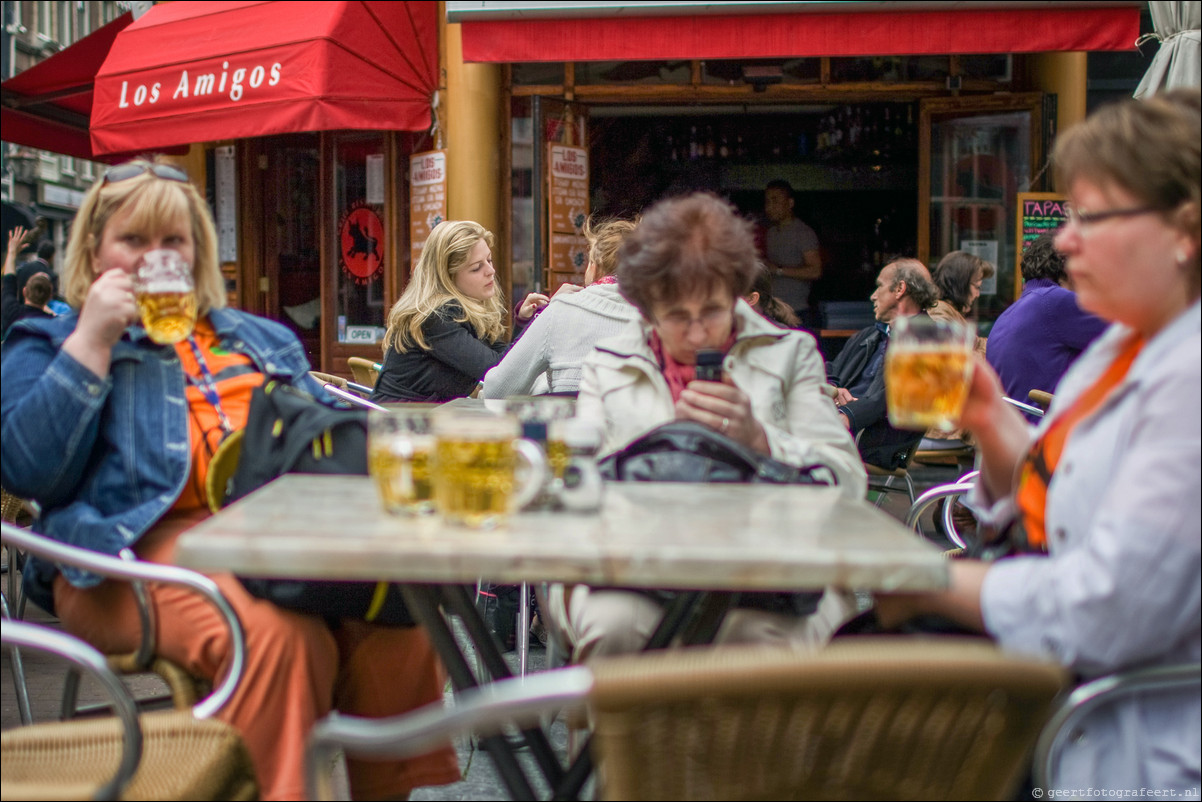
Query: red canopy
(202, 71)
(784, 35)
(48, 105)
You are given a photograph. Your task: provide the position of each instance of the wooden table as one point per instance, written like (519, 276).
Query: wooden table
(688, 537)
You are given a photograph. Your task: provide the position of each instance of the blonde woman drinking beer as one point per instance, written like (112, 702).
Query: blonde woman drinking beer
(112, 433)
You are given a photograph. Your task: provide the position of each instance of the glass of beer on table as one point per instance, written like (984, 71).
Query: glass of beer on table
(483, 469)
(166, 296)
(400, 446)
(928, 364)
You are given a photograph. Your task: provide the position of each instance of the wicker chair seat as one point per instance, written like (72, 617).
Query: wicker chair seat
(182, 758)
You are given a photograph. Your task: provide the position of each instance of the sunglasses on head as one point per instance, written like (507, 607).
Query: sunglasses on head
(124, 172)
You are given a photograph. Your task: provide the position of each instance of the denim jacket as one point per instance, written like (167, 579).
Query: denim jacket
(107, 458)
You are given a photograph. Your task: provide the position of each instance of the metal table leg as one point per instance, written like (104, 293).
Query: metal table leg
(422, 601)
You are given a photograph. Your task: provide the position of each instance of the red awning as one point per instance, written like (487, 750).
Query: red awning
(202, 71)
(866, 33)
(48, 105)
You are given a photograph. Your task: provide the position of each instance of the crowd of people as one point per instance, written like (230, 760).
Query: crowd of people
(112, 434)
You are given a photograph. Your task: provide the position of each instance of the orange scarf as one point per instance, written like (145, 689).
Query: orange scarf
(1044, 456)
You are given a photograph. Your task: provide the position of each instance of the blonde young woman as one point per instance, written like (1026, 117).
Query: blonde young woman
(548, 356)
(448, 327)
(112, 435)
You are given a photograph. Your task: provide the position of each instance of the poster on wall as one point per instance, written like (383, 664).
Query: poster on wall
(567, 212)
(361, 242)
(427, 197)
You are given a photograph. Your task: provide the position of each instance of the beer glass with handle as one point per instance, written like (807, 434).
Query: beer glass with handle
(477, 482)
(928, 364)
(166, 296)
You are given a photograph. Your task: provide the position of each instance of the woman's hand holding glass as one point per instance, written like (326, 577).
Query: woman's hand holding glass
(724, 407)
(107, 310)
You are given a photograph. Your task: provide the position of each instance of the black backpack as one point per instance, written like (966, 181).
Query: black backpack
(289, 431)
(687, 451)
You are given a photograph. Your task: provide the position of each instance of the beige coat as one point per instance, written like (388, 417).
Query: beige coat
(781, 371)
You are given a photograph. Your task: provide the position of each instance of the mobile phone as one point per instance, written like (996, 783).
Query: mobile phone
(709, 365)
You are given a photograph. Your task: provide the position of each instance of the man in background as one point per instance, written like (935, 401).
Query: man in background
(791, 251)
(903, 288)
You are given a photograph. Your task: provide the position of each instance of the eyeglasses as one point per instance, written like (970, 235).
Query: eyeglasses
(1083, 219)
(124, 172)
(709, 319)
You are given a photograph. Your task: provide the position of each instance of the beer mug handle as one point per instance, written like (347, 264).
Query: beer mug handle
(536, 474)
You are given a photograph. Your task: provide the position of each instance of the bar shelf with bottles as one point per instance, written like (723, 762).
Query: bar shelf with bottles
(824, 148)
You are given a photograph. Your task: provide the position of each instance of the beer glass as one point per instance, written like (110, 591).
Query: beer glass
(166, 296)
(477, 481)
(400, 448)
(538, 415)
(928, 364)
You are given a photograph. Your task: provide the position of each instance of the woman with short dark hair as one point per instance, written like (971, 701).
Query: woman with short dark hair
(686, 267)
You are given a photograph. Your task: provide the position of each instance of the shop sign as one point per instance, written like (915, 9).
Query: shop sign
(427, 197)
(204, 84)
(568, 191)
(361, 243)
(1038, 213)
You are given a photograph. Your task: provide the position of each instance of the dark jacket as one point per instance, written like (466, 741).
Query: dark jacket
(456, 360)
(878, 442)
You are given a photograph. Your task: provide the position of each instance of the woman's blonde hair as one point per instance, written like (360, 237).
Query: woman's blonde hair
(433, 284)
(604, 237)
(154, 203)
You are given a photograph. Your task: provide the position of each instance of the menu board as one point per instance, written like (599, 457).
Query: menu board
(567, 212)
(427, 197)
(1038, 212)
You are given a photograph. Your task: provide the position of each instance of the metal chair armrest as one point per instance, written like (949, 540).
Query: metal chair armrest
(1094, 694)
(351, 398)
(933, 495)
(116, 568)
(485, 709)
(18, 634)
(362, 389)
(1028, 408)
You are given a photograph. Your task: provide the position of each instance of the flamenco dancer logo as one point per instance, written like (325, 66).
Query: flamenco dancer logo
(361, 243)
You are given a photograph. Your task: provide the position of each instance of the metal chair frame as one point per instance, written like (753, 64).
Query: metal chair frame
(1090, 696)
(82, 657)
(133, 570)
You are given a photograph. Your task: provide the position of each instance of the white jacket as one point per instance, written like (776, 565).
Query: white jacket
(780, 370)
(549, 353)
(1120, 586)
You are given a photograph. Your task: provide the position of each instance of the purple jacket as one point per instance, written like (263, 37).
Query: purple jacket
(1035, 340)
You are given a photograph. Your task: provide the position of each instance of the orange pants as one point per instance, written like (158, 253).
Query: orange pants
(297, 671)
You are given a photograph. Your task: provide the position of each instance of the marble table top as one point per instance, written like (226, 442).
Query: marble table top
(713, 536)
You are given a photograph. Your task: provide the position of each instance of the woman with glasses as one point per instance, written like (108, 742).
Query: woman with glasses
(112, 434)
(685, 268)
(1107, 491)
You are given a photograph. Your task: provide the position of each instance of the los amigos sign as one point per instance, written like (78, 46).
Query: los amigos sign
(232, 82)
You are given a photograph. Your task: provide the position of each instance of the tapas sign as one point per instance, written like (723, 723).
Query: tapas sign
(361, 243)
(427, 197)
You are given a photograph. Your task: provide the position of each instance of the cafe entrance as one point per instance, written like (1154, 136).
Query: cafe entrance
(883, 163)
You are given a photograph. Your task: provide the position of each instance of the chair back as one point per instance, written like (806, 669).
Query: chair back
(167, 754)
(365, 371)
(865, 718)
